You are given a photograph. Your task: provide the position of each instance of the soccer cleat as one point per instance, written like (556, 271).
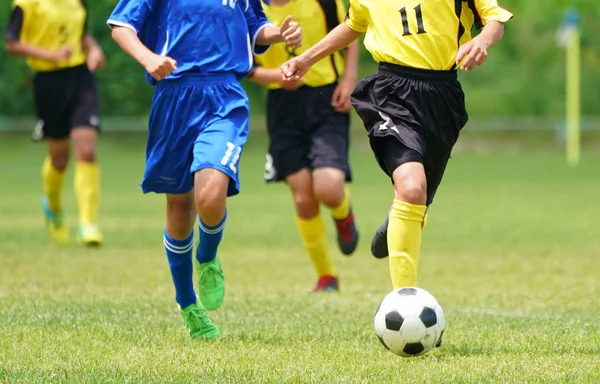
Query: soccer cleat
(327, 284)
(379, 247)
(89, 235)
(210, 284)
(347, 234)
(55, 224)
(199, 324)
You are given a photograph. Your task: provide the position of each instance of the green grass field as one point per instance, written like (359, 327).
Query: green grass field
(511, 252)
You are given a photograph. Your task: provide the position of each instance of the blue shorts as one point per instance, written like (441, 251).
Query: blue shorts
(197, 121)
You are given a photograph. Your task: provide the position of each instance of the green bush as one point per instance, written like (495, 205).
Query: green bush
(524, 74)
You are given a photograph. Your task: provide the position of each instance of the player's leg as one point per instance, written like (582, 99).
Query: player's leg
(288, 118)
(84, 134)
(53, 178)
(405, 221)
(379, 248)
(329, 160)
(51, 103)
(170, 132)
(312, 229)
(210, 186)
(178, 239)
(217, 152)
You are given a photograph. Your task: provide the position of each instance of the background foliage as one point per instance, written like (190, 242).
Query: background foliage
(521, 73)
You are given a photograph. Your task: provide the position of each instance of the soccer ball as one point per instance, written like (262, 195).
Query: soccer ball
(409, 322)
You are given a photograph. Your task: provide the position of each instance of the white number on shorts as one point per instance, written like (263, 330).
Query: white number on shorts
(227, 156)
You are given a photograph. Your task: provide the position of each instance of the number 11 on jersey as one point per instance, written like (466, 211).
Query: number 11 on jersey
(419, 15)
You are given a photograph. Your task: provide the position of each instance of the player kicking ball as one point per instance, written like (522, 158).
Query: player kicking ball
(308, 124)
(414, 107)
(196, 53)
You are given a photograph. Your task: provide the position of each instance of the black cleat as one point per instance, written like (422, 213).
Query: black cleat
(379, 247)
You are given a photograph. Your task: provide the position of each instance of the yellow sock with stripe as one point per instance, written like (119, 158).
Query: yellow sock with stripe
(53, 180)
(404, 242)
(343, 210)
(87, 191)
(315, 241)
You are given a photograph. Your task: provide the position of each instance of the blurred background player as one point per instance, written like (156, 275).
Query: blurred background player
(308, 124)
(53, 37)
(414, 107)
(198, 126)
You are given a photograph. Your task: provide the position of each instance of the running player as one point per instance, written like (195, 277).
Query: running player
(414, 107)
(198, 125)
(308, 124)
(53, 38)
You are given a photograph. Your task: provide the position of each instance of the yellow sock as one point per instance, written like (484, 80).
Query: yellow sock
(53, 181)
(315, 242)
(424, 222)
(404, 242)
(343, 210)
(87, 190)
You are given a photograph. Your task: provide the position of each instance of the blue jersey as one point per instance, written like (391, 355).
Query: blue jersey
(202, 36)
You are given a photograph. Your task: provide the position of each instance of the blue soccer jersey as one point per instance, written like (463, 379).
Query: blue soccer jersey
(203, 36)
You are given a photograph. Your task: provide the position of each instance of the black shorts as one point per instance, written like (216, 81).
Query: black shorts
(412, 115)
(65, 99)
(305, 132)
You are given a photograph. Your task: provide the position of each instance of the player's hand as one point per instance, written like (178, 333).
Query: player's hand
(294, 70)
(341, 96)
(291, 32)
(158, 66)
(95, 59)
(291, 85)
(62, 53)
(473, 53)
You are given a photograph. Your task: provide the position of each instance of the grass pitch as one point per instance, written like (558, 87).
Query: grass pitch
(511, 252)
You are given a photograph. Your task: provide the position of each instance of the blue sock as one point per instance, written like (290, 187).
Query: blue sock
(210, 237)
(179, 254)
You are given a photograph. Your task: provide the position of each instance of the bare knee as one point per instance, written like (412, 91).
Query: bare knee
(410, 183)
(180, 215)
(58, 150)
(328, 186)
(305, 201)
(210, 191)
(84, 143)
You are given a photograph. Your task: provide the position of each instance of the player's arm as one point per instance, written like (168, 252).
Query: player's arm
(265, 76)
(492, 17)
(15, 47)
(94, 53)
(340, 37)
(157, 66)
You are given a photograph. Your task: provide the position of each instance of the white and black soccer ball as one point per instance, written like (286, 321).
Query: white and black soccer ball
(409, 322)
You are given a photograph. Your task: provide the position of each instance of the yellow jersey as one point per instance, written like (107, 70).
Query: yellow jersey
(49, 24)
(423, 34)
(316, 18)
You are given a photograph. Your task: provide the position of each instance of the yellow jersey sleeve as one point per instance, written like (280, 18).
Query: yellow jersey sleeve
(356, 19)
(490, 10)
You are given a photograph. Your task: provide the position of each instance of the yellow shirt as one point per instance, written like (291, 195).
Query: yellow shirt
(316, 18)
(51, 24)
(422, 34)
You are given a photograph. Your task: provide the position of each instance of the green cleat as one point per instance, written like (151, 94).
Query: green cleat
(200, 325)
(210, 284)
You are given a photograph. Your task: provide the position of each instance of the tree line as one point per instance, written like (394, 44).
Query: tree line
(524, 75)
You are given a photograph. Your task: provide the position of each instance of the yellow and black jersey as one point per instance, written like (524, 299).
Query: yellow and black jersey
(420, 34)
(49, 25)
(316, 18)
